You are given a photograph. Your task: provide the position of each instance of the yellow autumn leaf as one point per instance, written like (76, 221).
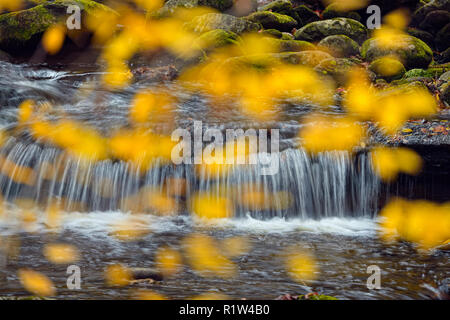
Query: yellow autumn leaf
(36, 283)
(59, 253)
(53, 38)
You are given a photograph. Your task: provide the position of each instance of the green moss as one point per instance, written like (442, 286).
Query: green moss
(413, 52)
(332, 11)
(305, 15)
(217, 38)
(273, 20)
(272, 33)
(295, 46)
(339, 46)
(387, 68)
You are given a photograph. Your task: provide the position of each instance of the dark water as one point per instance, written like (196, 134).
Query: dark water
(333, 215)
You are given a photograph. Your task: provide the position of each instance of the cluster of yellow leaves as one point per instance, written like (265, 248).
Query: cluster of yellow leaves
(390, 108)
(36, 283)
(206, 258)
(389, 162)
(53, 38)
(251, 76)
(326, 134)
(118, 275)
(10, 5)
(422, 222)
(59, 253)
(300, 264)
(347, 5)
(210, 206)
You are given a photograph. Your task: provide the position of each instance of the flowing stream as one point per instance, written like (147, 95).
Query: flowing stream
(332, 210)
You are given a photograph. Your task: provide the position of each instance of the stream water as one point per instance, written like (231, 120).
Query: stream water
(333, 212)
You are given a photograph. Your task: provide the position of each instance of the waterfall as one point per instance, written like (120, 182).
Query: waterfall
(332, 184)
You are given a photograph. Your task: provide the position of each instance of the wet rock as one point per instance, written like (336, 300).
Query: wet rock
(413, 52)
(305, 15)
(387, 68)
(23, 29)
(318, 30)
(443, 38)
(435, 21)
(426, 37)
(157, 74)
(423, 73)
(273, 20)
(146, 274)
(339, 46)
(308, 58)
(272, 33)
(171, 5)
(287, 36)
(4, 56)
(332, 11)
(211, 21)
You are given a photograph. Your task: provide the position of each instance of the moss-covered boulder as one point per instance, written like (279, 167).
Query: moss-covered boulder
(171, 5)
(212, 21)
(274, 33)
(339, 46)
(273, 20)
(442, 39)
(445, 93)
(412, 52)
(433, 5)
(292, 45)
(426, 37)
(217, 38)
(305, 15)
(318, 30)
(308, 58)
(334, 11)
(24, 28)
(339, 69)
(287, 36)
(387, 68)
(280, 6)
(435, 21)
(423, 73)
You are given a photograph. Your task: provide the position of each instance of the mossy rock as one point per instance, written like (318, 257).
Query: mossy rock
(421, 13)
(24, 28)
(445, 93)
(332, 11)
(412, 52)
(293, 45)
(305, 15)
(426, 37)
(422, 73)
(217, 38)
(287, 36)
(435, 21)
(307, 58)
(273, 20)
(339, 46)
(318, 30)
(442, 39)
(171, 5)
(338, 68)
(274, 33)
(212, 21)
(387, 68)
(281, 6)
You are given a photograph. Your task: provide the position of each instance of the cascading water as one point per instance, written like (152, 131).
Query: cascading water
(329, 185)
